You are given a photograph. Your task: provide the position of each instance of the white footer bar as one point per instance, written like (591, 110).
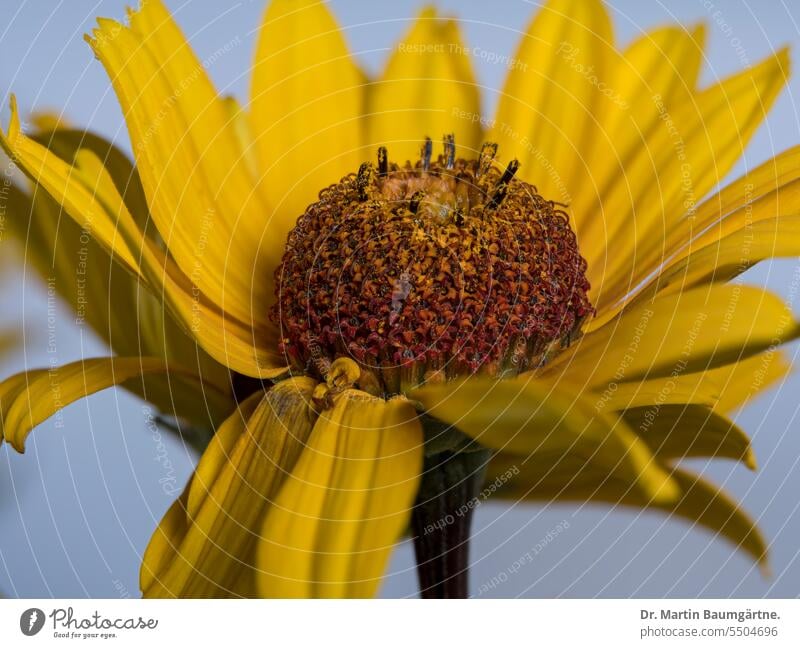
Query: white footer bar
(402, 623)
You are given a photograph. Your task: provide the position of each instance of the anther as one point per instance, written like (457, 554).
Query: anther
(343, 373)
(427, 152)
(501, 189)
(488, 152)
(450, 150)
(362, 180)
(383, 162)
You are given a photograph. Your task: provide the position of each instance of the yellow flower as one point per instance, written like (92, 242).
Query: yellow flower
(557, 305)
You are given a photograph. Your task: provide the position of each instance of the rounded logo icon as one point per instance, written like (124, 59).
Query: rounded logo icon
(31, 621)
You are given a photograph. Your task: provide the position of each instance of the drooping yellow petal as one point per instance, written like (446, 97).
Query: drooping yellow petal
(724, 388)
(48, 120)
(741, 382)
(212, 553)
(111, 301)
(30, 397)
(306, 106)
(554, 89)
(13, 387)
(66, 143)
(59, 180)
(201, 195)
(669, 390)
(700, 503)
(683, 431)
(529, 417)
(348, 500)
(90, 196)
(427, 90)
(690, 153)
(84, 274)
(226, 339)
(695, 330)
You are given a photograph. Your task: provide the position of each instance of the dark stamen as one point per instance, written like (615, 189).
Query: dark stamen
(501, 189)
(383, 162)
(427, 151)
(450, 150)
(488, 151)
(362, 180)
(416, 199)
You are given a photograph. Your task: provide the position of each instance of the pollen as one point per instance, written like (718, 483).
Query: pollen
(429, 271)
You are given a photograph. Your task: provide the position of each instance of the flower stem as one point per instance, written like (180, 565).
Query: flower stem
(442, 518)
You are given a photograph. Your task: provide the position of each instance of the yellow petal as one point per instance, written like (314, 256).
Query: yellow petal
(89, 195)
(732, 255)
(663, 64)
(48, 120)
(546, 113)
(706, 505)
(529, 417)
(14, 386)
(348, 500)
(695, 330)
(84, 276)
(160, 551)
(213, 552)
(749, 198)
(242, 127)
(65, 143)
(767, 200)
(427, 90)
(306, 106)
(83, 273)
(724, 388)
(59, 180)
(30, 397)
(670, 390)
(227, 340)
(683, 431)
(740, 383)
(700, 502)
(201, 196)
(694, 148)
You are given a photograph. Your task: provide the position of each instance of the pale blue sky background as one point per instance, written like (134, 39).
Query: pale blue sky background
(77, 510)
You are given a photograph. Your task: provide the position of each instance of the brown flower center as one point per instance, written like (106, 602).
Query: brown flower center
(444, 268)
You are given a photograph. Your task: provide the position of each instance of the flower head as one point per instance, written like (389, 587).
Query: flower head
(543, 295)
(448, 267)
